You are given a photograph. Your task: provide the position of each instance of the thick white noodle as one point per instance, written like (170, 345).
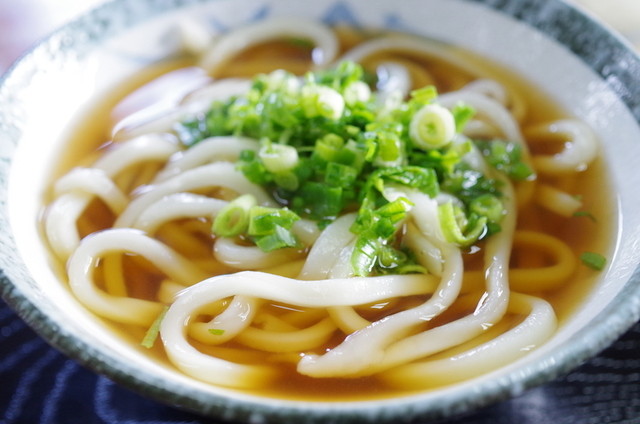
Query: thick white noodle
(490, 309)
(537, 327)
(489, 88)
(427, 253)
(393, 79)
(580, 148)
(326, 260)
(61, 222)
(168, 291)
(230, 253)
(480, 129)
(176, 206)
(231, 322)
(557, 201)
(318, 294)
(189, 205)
(326, 250)
(213, 149)
(219, 174)
(233, 42)
(425, 216)
(307, 231)
(487, 108)
(163, 119)
(347, 319)
(81, 264)
(148, 147)
(95, 182)
(220, 89)
(154, 121)
(412, 45)
(510, 99)
(474, 157)
(342, 268)
(291, 341)
(349, 359)
(62, 215)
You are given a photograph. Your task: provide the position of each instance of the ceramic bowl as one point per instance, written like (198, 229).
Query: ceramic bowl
(586, 68)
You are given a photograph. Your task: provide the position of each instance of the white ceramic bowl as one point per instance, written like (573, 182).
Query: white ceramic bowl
(587, 69)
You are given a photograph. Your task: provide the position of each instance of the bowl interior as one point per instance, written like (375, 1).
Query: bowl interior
(585, 69)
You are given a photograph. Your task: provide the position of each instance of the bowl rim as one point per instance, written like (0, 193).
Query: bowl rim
(607, 325)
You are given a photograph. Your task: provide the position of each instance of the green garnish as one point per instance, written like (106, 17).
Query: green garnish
(152, 333)
(233, 219)
(586, 214)
(216, 331)
(329, 146)
(506, 157)
(300, 42)
(458, 228)
(278, 158)
(376, 229)
(269, 228)
(433, 126)
(462, 113)
(593, 260)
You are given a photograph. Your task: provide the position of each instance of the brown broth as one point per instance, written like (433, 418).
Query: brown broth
(583, 234)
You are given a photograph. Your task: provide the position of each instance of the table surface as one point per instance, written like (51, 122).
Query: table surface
(40, 385)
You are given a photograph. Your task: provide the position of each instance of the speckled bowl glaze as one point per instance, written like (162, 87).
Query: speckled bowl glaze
(587, 69)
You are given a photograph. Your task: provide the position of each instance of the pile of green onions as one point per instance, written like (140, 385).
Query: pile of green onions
(331, 145)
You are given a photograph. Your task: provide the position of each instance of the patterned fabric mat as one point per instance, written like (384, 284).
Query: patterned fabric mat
(40, 385)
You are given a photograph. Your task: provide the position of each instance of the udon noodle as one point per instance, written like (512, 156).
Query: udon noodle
(134, 226)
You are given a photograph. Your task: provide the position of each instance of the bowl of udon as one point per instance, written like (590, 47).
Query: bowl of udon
(329, 211)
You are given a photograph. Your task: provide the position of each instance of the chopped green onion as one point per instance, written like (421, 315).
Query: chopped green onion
(320, 100)
(411, 268)
(320, 200)
(424, 95)
(152, 333)
(593, 260)
(280, 238)
(301, 42)
(506, 157)
(270, 228)
(192, 131)
(250, 165)
(233, 219)
(454, 231)
(278, 157)
(329, 146)
(287, 180)
(423, 179)
(376, 229)
(356, 91)
(462, 113)
(488, 205)
(264, 221)
(339, 175)
(216, 331)
(390, 150)
(432, 127)
(585, 214)
(365, 253)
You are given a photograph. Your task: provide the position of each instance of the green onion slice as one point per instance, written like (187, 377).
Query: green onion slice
(233, 219)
